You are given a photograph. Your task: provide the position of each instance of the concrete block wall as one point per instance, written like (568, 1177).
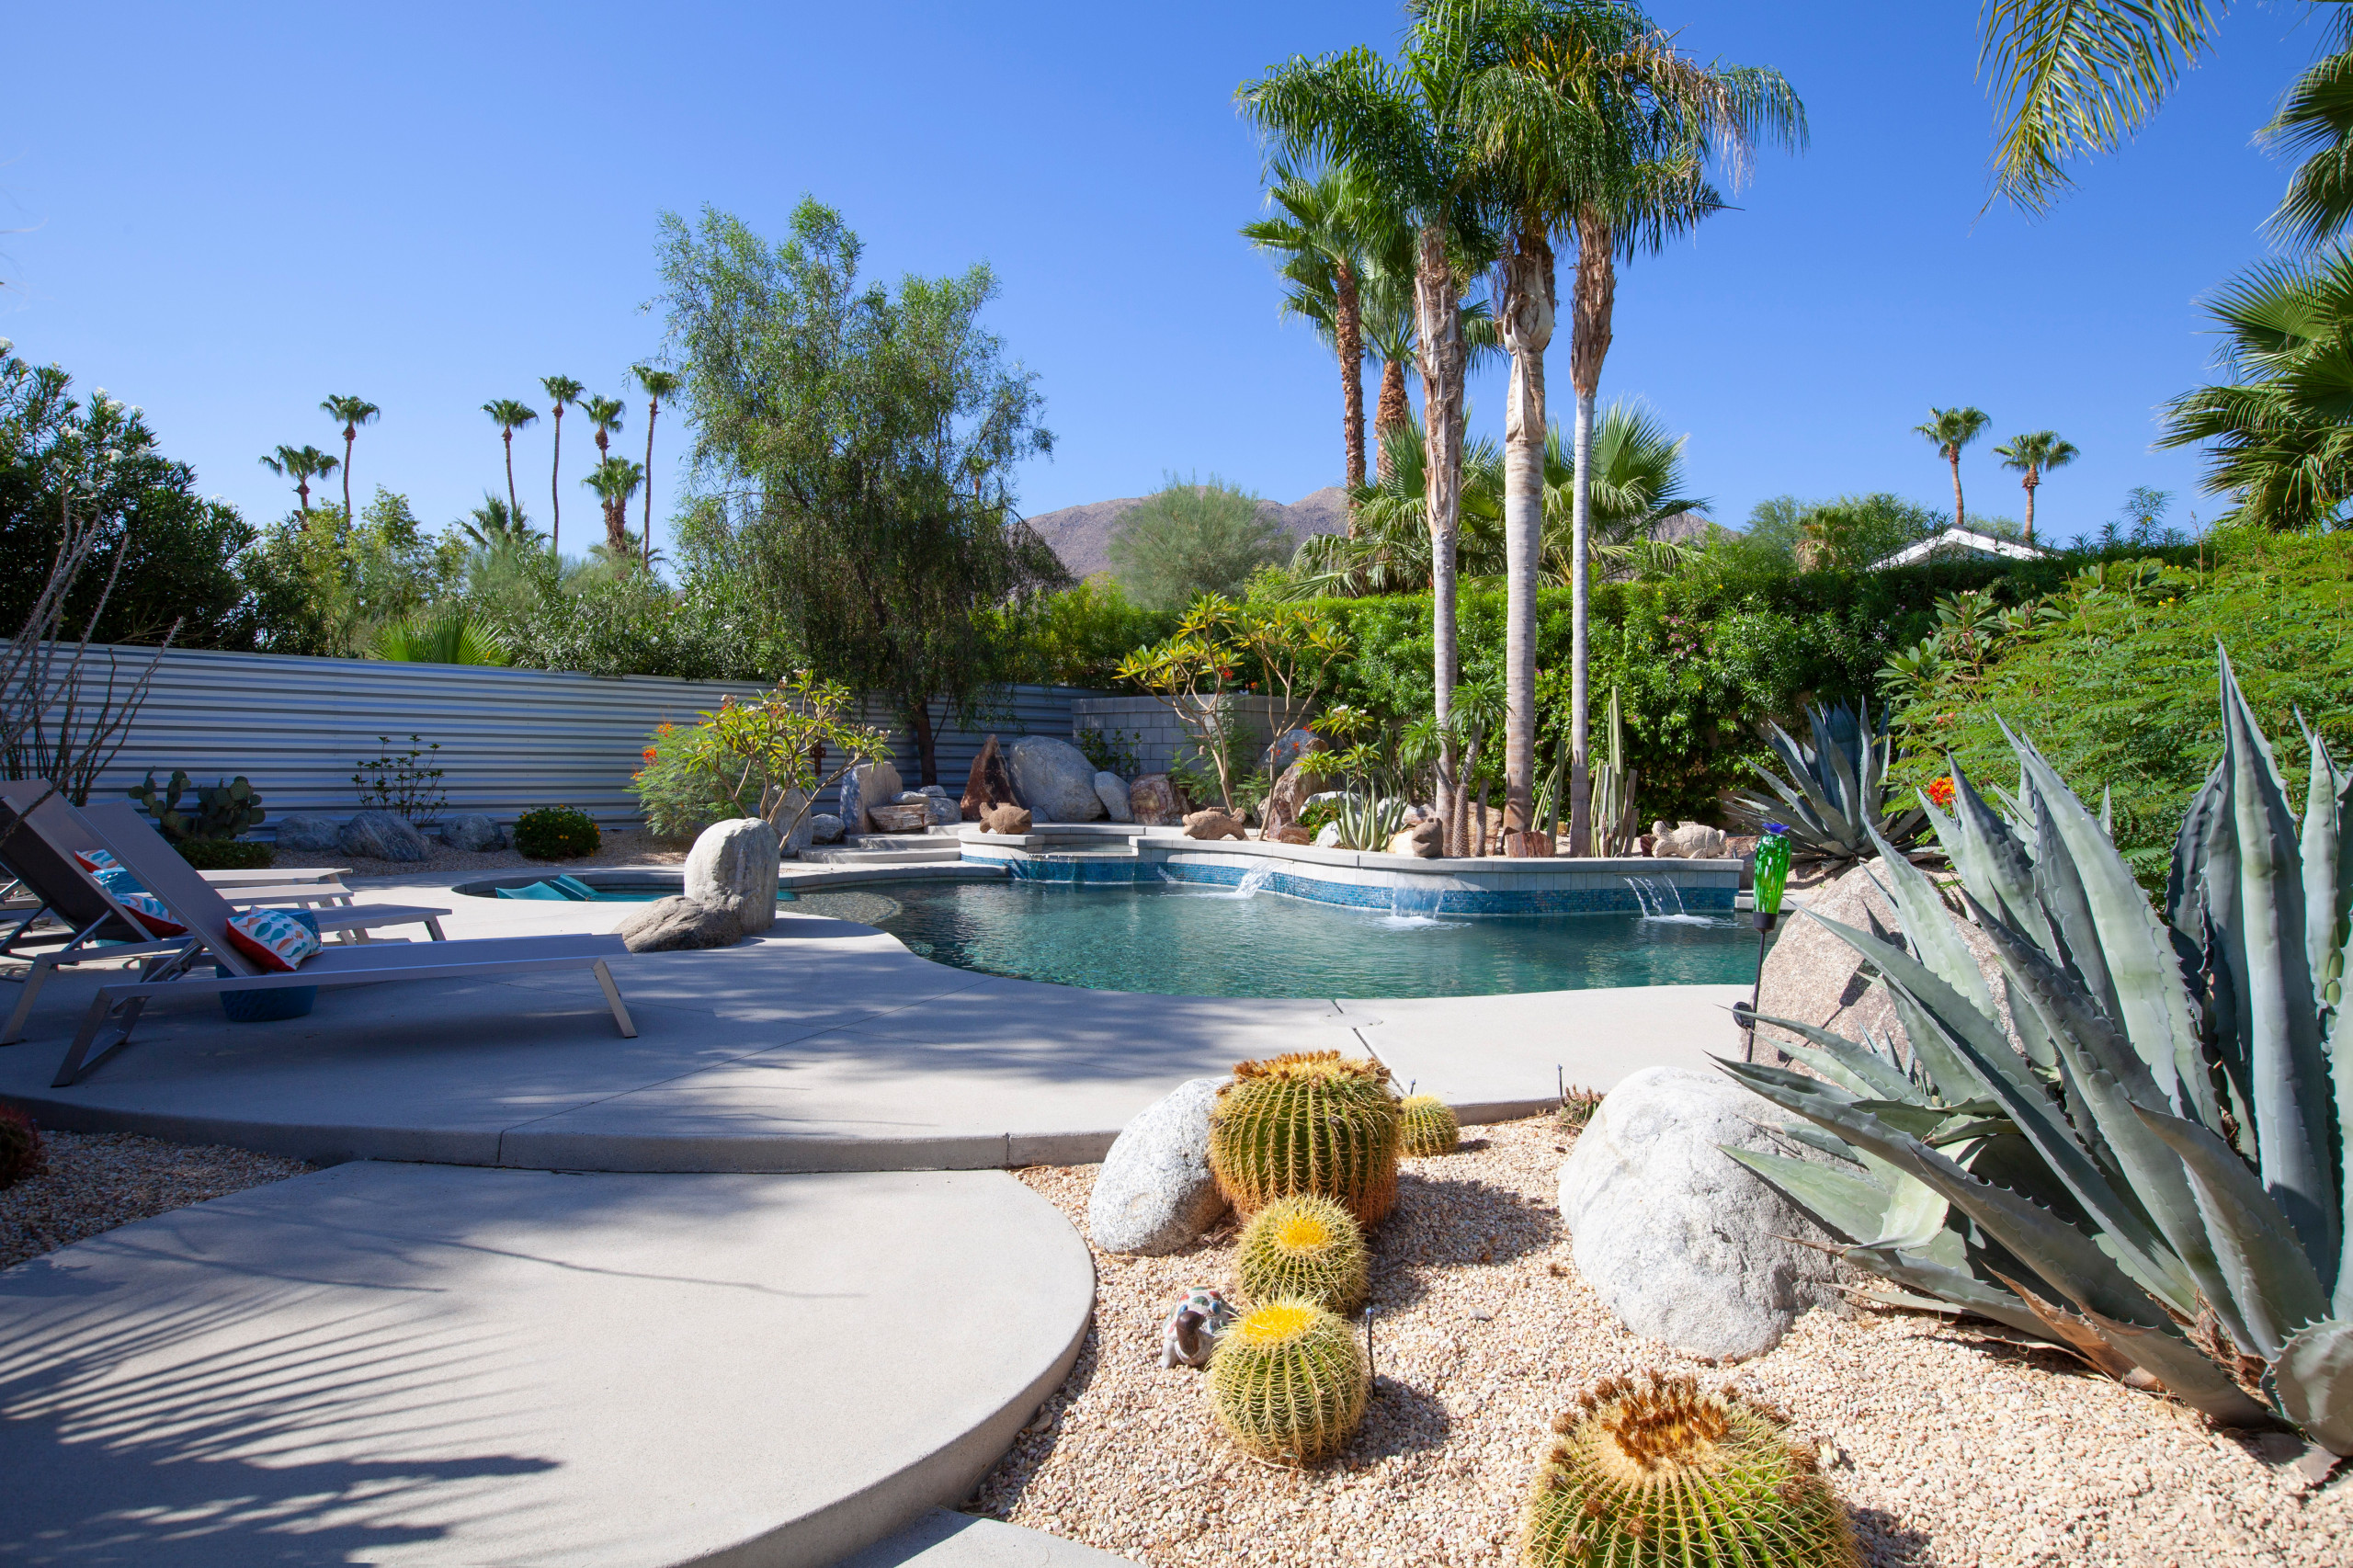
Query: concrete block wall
(1160, 742)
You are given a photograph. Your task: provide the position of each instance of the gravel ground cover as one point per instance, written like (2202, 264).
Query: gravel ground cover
(1952, 1448)
(622, 846)
(90, 1182)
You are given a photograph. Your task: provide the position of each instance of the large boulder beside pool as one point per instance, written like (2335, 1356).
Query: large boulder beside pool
(679, 924)
(1154, 1194)
(1683, 1243)
(1112, 791)
(1290, 795)
(1153, 802)
(988, 784)
(733, 866)
(868, 785)
(382, 835)
(1054, 779)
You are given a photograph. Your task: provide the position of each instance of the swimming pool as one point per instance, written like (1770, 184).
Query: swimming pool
(1179, 939)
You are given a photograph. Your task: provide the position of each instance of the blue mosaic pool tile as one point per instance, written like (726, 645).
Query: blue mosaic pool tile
(1604, 900)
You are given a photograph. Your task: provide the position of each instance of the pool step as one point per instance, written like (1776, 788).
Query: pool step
(906, 851)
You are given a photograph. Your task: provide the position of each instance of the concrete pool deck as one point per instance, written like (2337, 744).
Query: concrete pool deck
(825, 1045)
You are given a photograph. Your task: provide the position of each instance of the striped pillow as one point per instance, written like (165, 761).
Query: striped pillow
(277, 939)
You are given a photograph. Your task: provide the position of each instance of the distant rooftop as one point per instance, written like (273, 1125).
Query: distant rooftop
(1948, 544)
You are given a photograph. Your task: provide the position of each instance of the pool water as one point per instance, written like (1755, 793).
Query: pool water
(1178, 940)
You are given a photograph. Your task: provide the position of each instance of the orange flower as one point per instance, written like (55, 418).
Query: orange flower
(1940, 792)
(649, 754)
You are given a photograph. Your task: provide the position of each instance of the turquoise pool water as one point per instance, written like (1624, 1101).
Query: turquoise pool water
(1178, 940)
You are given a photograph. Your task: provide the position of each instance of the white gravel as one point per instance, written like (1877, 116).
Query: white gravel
(1952, 1450)
(618, 847)
(90, 1182)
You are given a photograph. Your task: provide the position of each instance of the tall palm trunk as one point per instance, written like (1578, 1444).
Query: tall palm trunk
(350, 433)
(2031, 480)
(1952, 455)
(1392, 412)
(1526, 320)
(1438, 301)
(555, 493)
(1348, 337)
(514, 506)
(652, 411)
(1597, 287)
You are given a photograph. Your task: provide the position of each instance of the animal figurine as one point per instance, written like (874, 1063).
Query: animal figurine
(1193, 1328)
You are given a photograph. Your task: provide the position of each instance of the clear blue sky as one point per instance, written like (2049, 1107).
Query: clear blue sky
(224, 214)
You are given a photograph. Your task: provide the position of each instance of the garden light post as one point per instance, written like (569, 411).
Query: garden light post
(1772, 875)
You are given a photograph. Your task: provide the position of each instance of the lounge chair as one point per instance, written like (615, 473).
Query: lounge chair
(195, 903)
(39, 839)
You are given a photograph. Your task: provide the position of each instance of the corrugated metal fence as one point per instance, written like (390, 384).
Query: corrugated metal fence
(510, 739)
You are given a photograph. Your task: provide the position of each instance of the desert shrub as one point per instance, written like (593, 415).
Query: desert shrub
(1193, 536)
(225, 853)
(556, 832)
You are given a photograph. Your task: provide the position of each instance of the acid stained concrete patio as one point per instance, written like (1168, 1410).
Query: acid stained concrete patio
(422, 1365)
(825, 1045)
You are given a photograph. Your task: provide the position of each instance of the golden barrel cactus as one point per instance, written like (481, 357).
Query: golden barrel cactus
(1426, 1127)
(1659, 1473)
(1307, 1123)
(1304, 1248)
(1289, 1383)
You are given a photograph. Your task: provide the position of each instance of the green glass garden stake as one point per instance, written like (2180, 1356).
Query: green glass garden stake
(1772, 874)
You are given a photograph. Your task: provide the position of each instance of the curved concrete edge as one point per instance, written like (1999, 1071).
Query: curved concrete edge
(945, 1539)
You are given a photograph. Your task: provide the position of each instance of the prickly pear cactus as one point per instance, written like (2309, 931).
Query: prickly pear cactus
(19, 1146)
(1289, 1383)
(1659, 1473)
(1426, 1127)
(1304, 1248)
(1309, 1122)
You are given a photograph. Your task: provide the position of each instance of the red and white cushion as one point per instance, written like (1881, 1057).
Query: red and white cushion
(95, 860)
(277, 939)
(132, 894)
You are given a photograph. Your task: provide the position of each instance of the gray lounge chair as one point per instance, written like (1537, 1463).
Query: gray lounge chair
(116, 1008)
(41, 836)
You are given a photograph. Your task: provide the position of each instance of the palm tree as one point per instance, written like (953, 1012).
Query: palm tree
(604, 412)
(2031, 456)
(498, 522)
(510, 416)
(1595, 124)
(351, 413)
(302, 464)
(1635, 496)
(1331, 230)
(562, 393)
(1406, 129)
(615, 479)
(2281, 443)
(1949, 430)
(658, 384)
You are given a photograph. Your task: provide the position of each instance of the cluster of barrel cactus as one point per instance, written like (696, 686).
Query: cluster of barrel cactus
(19, 1146)
(1309, 1122)
(1427, 1126)
(1303, 1248)
(1289, 1382)
(1660, 1473)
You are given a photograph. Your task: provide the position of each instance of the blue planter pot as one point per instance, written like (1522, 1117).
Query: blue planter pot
(269, 1006)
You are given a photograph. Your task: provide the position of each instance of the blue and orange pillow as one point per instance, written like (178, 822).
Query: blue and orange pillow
(277, 939)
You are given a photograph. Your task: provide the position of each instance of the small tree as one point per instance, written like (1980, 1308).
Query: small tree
(767, 758)
(1190, 539)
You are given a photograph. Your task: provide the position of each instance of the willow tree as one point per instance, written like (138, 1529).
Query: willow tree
(855, 447)
(1408, 129)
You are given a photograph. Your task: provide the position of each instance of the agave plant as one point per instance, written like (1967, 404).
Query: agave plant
(2154, 1175)
(1833, 803)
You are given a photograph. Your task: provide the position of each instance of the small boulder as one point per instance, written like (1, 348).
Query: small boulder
(1005, 819)
(733, 866)
(380, 836)
(869, 784)
(1688, 841)
(988, 784)
(1682, 1243)
(1290, 794)
(1153, 800)
(1289, 833)
(309, 833)
(825, 828)
(1054, 779)
(1425, 839)
(1112, 791)
(1212, 823)
(474, 832)
(678, 925)
(1154, 1193)
(941, 810)
(1329, 836)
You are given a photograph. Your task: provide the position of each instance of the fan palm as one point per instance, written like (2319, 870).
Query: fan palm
(1949, 430)
(2031, 457)
(1406, 128)
(615, 479)
(1595, 123)
(605, 414)
(656, 384)
(2282, 428)
(496, 522)
(351, 413)
(562, 393)
(1636, 492)
(446, 637)
(510, 416)
(301, 464)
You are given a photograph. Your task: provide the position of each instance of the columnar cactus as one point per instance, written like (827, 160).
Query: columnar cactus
(1309, 1122)
(1289, 1383)
(1304, 1248)
(19, 1146)
(1658, 1471)
(1427, 1126)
